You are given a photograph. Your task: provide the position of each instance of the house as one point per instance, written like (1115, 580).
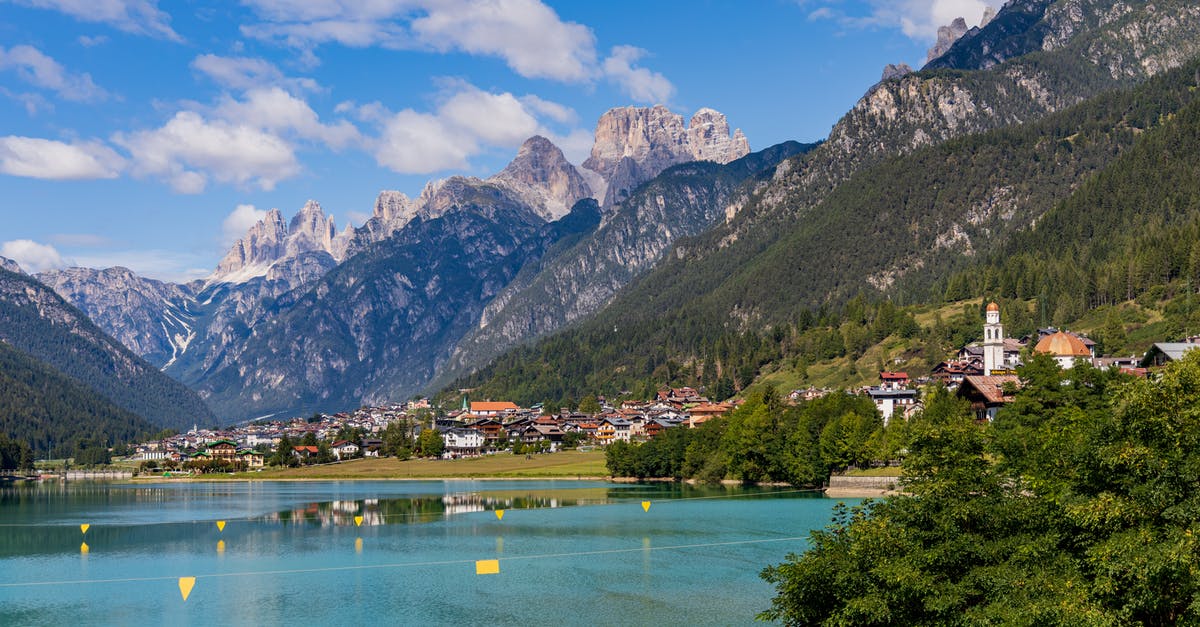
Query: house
(893, 380)
(305, 452)
(490, 408)
(345, 449)
(951, 373)
(492, 430)
(889, 400)
(224, 450)
(1163, 353)
(462, 442)
(535, 433)
(371, 447)
(987, 394)
(613, 429)
(253, 459)
(704, 412)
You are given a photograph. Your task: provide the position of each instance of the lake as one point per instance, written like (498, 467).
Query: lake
(399, 552)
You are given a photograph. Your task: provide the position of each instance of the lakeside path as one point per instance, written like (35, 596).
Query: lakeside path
(587, 465)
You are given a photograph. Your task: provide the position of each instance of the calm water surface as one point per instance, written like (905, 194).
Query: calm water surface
(569, 552)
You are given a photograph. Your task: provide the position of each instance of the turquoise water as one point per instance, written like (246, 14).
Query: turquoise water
(569, 552)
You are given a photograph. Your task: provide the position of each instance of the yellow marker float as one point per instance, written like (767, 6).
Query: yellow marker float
(84, 548)
(220, 546)
(185, 586)
(220, 525)
(645, 506)
(84, 527)
(358, 521)
(499, 514)
(487, 567)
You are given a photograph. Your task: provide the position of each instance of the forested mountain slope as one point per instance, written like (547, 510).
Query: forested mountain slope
(899, 229)
(38, 322)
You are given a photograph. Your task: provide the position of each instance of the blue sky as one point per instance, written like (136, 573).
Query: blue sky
(151, 135)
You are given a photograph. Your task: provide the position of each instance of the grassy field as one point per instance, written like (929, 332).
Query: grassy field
(564, 465)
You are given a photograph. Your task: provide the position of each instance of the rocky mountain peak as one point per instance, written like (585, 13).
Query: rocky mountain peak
(271, 240)
(10, 265)
(635, 144)
(543, 178)
(310, 229)
(946, 37)
(895, 71)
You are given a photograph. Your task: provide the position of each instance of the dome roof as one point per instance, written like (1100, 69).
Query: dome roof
(992, 306)
(1062, 344)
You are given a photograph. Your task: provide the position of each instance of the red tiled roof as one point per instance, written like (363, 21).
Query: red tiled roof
(478, 406)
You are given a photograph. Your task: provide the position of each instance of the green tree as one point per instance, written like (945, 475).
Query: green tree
(430, 444)
(589, 405)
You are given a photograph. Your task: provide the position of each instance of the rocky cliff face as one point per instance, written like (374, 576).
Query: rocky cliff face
(1087, 47)
(635, 144)
(946, 37)
(152, 318)
(682, 201)
(271, 240)
(10, 265)
(540, 177)
(379, 325)
(543, 179)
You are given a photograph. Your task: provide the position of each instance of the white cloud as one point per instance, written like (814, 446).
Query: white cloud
(277, 111)
(638, 83)
(420, 143)
(90, 42)
(189, 148)
(552, 110)
(48, 159)
(495, 119)
(468, 121)
(528, 35)
(244, 73)
(39, 70)
(140, 17)
(239, 221)
(918, 19)
(32, 256)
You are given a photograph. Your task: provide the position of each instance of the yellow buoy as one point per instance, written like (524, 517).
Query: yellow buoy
(220, 525)
(220, 546)
(84, 527)
(645, 506)
(487, 567)
(499, 514)
(84, 548)
(185, 586)
(358, 521)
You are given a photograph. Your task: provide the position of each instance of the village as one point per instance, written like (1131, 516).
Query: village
(982, 373)
(477, 428)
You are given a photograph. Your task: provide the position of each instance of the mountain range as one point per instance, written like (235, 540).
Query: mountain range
(672, 239)
(298, 316)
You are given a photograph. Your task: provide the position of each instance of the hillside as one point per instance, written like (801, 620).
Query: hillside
(895, 230)
(53, 413)
(38, 322)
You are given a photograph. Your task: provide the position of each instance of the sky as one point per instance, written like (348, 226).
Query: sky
(152, 135)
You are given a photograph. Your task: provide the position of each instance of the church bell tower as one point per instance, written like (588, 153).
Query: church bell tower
(993, 341)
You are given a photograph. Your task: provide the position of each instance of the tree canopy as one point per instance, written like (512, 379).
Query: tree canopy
(1077, 506)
